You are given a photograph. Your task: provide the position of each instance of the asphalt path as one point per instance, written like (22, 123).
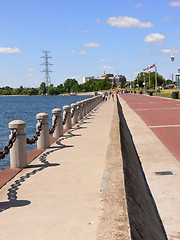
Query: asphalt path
(161, 115)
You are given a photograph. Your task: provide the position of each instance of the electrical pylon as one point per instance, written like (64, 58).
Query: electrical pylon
(47, 79)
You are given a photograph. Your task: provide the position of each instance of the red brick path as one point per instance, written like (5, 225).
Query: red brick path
(162, 115)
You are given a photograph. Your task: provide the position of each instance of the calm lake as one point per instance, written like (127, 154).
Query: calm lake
(25, 108)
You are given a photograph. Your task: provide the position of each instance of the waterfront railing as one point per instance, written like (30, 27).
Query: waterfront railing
(17, 144)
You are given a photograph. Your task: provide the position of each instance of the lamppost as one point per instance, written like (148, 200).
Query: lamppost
(138, 82)
(144, 82)
(172, 58)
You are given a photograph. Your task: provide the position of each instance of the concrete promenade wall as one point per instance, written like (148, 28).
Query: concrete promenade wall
(145, 222)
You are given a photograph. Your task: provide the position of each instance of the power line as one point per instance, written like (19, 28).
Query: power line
(46, 57)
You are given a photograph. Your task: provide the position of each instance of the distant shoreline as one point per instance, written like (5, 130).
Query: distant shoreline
(77, 94)
(62, 94)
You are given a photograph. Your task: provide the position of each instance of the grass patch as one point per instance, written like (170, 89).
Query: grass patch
(167, 95)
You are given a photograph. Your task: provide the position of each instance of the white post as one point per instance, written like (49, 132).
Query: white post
(67, 110)
(58, 132)
(18, 153)
(80, 111)
(85, 108)
(75, 116)
(43, 139)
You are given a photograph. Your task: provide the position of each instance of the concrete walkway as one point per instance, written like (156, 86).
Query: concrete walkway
(155, 157)
(58, 195)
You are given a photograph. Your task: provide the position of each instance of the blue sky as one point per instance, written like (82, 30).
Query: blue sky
(86, 38)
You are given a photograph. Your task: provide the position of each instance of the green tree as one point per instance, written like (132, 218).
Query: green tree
(61, 88)
(32, 91)
(140, 80)
(69, 83)
(53, 91)
(7, 90)
(18, 91)
(74, 88)
(42, 89)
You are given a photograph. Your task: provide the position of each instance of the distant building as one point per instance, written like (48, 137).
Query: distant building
(109, 75)
(178, 79)
(85, 79)
(116, 81)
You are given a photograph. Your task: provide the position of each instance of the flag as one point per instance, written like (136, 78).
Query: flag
(154, 65)
(146, 69)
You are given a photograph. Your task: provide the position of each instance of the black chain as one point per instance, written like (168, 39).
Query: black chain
(9, 145)
(37, 134)
(72, 114)
(51, 131)
(65, 118)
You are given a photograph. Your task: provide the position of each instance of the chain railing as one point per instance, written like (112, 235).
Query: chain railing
(19, 150)
(72, 113)
(65, 119)
(51, 131)
(37, 134)
(9, 145)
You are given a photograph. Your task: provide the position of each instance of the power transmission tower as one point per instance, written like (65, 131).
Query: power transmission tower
(47, 79)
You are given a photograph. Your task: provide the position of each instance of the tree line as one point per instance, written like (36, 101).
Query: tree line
(144, 77)
(69, 86)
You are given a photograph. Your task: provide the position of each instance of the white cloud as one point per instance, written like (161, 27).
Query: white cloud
(29, 75)
(128, 22)
(97, 20)
(31, 69)
(146, 53)
(106, 67)
(91, 44)
(80, 52)
(86, 31)
(174, 4)
(169, 50)
(138, 5)
(106, 60)
(155, 38)
(166, 50)
(172, 33)
(83, 52)
(9, 50)
(166, 19)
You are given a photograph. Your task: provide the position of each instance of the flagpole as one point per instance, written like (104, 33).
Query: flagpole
(156, 78)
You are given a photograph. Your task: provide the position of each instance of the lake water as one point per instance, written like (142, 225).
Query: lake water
(25, 108)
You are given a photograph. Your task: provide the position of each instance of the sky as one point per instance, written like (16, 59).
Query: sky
(86, 38)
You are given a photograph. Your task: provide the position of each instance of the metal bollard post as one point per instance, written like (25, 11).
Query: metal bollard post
(58, 132)
(18, 153)
(67, 110)
(43, 139)
(75, 116)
